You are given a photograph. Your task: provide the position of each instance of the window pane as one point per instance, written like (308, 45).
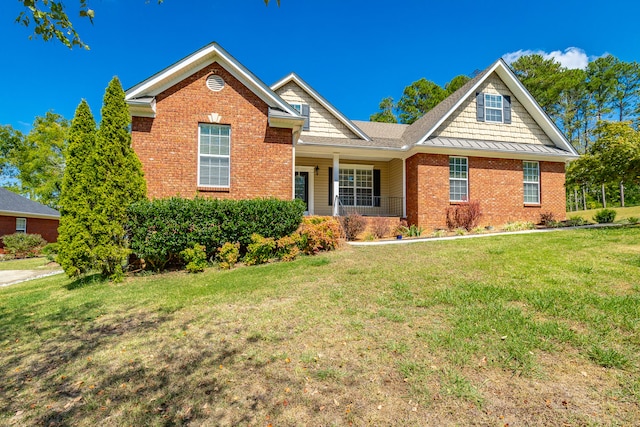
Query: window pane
(364, 197)
(458, 190)
(531, 193)
(457, 167)
(494, 115)
(214, 171)
(493, 101)
(347, 196)
(531, 172)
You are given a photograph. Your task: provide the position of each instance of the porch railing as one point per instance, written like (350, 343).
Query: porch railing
(374, 206)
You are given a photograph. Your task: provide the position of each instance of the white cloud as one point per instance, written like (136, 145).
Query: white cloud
(571, 57)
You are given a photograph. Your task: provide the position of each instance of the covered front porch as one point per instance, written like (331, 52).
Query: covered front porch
(338, 185)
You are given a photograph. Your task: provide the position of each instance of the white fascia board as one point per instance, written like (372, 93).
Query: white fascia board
(457, 104)
(197, 61)
(142, 107)
(322, 101)
(28, 215)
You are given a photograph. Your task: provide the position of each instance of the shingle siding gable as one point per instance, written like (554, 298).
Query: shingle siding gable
(463, 122)
(322, 122)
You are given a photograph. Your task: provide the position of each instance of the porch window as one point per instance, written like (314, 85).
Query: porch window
(531, 182)
(458, 179)
(356, 186)
(213, 155)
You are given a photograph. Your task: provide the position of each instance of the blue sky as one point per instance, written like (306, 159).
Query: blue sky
(354, 52)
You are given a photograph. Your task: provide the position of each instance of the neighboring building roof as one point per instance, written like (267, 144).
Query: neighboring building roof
(141, 97)
(13, 204)
(293, 77)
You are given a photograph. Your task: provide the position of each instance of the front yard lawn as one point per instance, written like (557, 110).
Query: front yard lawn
(536, 329)
(39, 263)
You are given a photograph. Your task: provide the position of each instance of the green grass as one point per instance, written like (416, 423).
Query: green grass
(40, 263)
(537, 329)
(622, 213)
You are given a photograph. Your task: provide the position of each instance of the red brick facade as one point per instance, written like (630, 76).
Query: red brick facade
(261, 157)
(496, 183)
(47, 228)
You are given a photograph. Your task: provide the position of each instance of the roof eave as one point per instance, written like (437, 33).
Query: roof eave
(20, 214)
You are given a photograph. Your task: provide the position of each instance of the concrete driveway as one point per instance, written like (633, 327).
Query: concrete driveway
(11, 277)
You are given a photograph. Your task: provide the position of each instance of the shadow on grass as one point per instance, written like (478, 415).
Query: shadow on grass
(84, 281)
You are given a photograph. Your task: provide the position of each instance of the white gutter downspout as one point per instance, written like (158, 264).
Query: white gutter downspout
(336, 183)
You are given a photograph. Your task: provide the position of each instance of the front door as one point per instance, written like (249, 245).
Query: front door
(302, 188)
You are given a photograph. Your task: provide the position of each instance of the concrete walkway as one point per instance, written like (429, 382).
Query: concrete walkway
(11, 277)
(473, 236)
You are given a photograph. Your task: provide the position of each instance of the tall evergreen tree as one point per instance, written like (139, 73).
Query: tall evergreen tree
(418, 98)
(78, 198)
(385, 115)
(456, 83)
(120, 182)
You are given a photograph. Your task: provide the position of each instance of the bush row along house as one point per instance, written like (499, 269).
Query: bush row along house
(207, 126)
(21, 215)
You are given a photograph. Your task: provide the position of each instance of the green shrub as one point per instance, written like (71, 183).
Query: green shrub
(288, 248)
(51, 251)
(160, 229)
(413, 231)
(260, 250)
(228, 255)
(633, 220)
(353, 224)
(518, 226)
(576, 220)
(319, 233)
(195, 257)
(605, 216)
(22, 245)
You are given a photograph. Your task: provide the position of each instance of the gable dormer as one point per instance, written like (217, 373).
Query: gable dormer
(321, 118)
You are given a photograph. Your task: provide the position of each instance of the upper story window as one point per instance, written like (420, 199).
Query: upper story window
(21, 225)
(458, 179)
(303, 110)
(531, 182)
(493, 108)
(214, 147)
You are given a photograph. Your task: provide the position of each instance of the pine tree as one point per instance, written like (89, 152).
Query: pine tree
(78, 197)
(120, 182)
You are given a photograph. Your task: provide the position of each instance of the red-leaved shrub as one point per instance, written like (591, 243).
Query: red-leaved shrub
(379, 227)
(464, 215)
(319, 233)
(353, 224)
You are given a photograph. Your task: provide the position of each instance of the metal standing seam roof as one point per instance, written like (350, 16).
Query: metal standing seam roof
(505, 147)
(14, 203)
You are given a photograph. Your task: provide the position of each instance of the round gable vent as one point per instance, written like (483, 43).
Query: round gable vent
(215, 83)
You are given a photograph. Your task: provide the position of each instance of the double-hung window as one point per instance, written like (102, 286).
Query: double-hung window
(214, 155)
(356, 186)
(21, 225)
(531, 182)
(458, 179)
(493, 108)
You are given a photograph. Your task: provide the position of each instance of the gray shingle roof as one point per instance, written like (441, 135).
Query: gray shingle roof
(353, 142)
(381, 130)
(12, 202)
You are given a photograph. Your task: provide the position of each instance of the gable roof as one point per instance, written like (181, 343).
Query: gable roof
(422, 128)
(293, 77)
(13, 204)
(141, 97)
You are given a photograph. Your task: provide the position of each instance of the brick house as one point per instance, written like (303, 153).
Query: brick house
(21, 215)
(206, 125)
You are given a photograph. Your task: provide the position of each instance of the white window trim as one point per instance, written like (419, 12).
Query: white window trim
(213, 155)
(294, 104)
(501, 109)
(531, 182)
(21, 229)
(359, 167)
(466, 180)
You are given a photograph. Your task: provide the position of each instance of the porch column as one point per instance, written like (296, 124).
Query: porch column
(404, 187)
(336, 183)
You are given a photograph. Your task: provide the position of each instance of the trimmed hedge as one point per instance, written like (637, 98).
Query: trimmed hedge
(160, 229)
